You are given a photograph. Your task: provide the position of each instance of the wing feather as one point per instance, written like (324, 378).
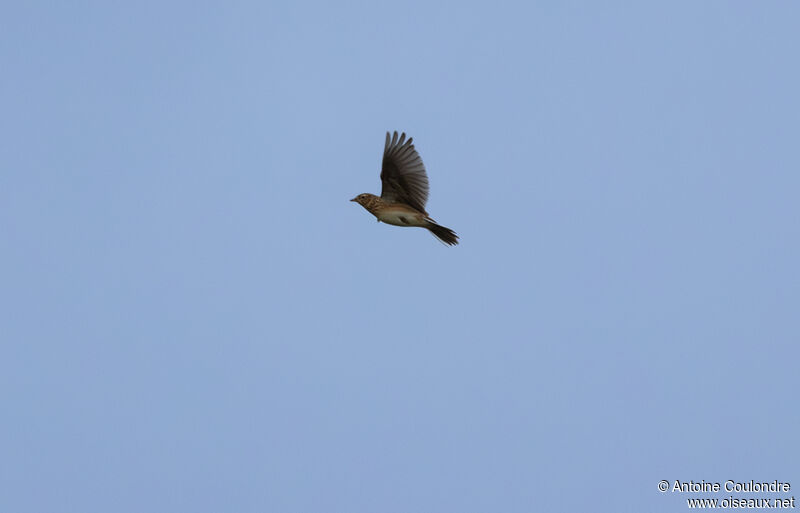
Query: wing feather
(403, 173)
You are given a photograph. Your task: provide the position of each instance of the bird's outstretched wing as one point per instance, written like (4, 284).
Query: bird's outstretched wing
(403, 173)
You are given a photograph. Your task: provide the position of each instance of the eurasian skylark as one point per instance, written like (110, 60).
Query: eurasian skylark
(404, 191)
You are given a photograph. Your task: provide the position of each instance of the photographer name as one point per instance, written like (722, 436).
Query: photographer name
(731, 486)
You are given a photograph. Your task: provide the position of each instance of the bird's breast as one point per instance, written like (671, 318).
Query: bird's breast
(400, 217)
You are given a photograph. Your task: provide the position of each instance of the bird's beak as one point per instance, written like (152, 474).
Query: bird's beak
(353, 199)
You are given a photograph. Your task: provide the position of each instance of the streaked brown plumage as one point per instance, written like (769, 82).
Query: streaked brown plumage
(404, 191)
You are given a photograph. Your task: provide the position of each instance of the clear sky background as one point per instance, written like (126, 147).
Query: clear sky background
(195, 318)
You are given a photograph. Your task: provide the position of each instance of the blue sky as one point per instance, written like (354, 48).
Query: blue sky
(194, 317)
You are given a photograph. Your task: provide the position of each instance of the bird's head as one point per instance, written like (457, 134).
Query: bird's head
(363, 199)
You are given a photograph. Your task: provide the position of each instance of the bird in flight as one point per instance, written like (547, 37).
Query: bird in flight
(404, 191)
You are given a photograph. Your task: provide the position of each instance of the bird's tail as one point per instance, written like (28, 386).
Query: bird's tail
(442, 233)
